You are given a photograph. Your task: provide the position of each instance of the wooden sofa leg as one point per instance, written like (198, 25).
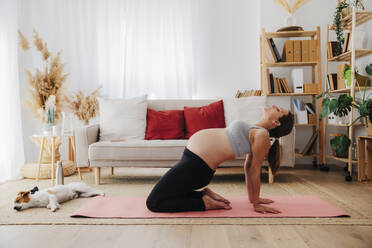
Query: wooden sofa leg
(112, 171)
(97, 175)
(271, 176)
(81, 178)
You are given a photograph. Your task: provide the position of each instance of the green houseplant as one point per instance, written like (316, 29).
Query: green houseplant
(342, 104)
(369, 69)
(340, 145)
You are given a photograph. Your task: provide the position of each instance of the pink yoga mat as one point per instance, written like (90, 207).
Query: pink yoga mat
(290, 206)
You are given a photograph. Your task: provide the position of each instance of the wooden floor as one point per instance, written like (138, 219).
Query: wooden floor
(186, 236)
(206, 235)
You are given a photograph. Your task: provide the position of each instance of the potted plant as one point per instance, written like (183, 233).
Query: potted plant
(342, 104)
(340, 145)
(360, 79)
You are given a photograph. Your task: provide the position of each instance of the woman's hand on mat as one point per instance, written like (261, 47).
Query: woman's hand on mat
(263, 209)
(265, 201)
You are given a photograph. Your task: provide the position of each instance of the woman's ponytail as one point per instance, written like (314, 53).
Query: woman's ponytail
(274, 156)
(286, 125)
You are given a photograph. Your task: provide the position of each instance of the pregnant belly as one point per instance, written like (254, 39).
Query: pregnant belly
(212, 145)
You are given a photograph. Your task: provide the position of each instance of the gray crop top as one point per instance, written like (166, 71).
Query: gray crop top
(237, 132)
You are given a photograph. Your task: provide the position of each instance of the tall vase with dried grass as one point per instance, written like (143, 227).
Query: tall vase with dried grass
(45, 82)
(84, 107)
(290, 20)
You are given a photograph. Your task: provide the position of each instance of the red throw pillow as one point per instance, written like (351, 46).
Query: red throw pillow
(209, 116)
(165, 124)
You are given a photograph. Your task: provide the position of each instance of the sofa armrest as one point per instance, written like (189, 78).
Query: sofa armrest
(84, 136)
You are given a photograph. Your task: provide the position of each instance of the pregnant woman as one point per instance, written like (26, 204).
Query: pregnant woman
(177, 191)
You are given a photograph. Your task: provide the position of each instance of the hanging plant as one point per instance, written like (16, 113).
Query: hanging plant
(338, 28)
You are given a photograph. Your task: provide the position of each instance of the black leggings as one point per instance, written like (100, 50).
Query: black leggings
(175, 191)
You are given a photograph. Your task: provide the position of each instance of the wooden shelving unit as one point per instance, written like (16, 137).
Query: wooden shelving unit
(349, 22)
(315, 78)
(360, 18)
(285, 64)
(348, 90)
(347, 56)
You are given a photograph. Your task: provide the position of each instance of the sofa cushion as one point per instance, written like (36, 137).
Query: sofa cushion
(248, 109)
(165, 124)
(122, 118)
(209, 116)
(137, 150)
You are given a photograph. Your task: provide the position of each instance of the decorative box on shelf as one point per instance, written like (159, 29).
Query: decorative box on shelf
(310, 88)
(311, 119)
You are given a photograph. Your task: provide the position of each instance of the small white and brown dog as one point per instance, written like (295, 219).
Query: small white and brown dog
(52, 197)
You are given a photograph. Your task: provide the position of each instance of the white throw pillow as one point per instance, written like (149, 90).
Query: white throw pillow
(248, 109)
(122, 118)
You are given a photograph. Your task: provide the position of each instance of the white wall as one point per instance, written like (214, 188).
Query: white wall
(226, 47)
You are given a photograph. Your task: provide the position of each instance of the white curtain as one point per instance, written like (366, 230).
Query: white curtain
(130, 47)
(158, 56)
(11, 145)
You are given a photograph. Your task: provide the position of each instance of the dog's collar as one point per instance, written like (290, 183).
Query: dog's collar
(34, 190)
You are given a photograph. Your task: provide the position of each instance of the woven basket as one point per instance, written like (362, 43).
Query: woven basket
(29, 170)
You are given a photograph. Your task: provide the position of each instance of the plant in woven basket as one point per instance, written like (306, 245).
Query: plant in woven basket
(340, 145)
(44, 82)
(84, 107)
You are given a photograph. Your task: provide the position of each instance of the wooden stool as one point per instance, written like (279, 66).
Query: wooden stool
(362, 141)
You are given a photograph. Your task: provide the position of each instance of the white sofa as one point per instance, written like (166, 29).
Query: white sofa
(90, 152)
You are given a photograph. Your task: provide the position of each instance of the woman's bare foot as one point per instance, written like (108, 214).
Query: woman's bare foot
(211, 203)
(215, 196)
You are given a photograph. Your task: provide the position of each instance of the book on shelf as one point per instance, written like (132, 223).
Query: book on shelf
(332, 48)
(310, 144)
(272, 89)
(279, 85)
(286, 85)
(328, 82)
(278, 89)
(313, 51)
(288, 51)
(332, 79)
(269, 56)
(274, 50)
(296, 51)
(347, 42)
(305, 50)
(283, 89)
(248, 93)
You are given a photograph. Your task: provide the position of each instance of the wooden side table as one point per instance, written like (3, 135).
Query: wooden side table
(53, 141)
(364, 143)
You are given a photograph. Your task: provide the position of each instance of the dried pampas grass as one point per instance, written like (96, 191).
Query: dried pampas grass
(84, 107)
(47, 82)
(23, 42)
(296, 5)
